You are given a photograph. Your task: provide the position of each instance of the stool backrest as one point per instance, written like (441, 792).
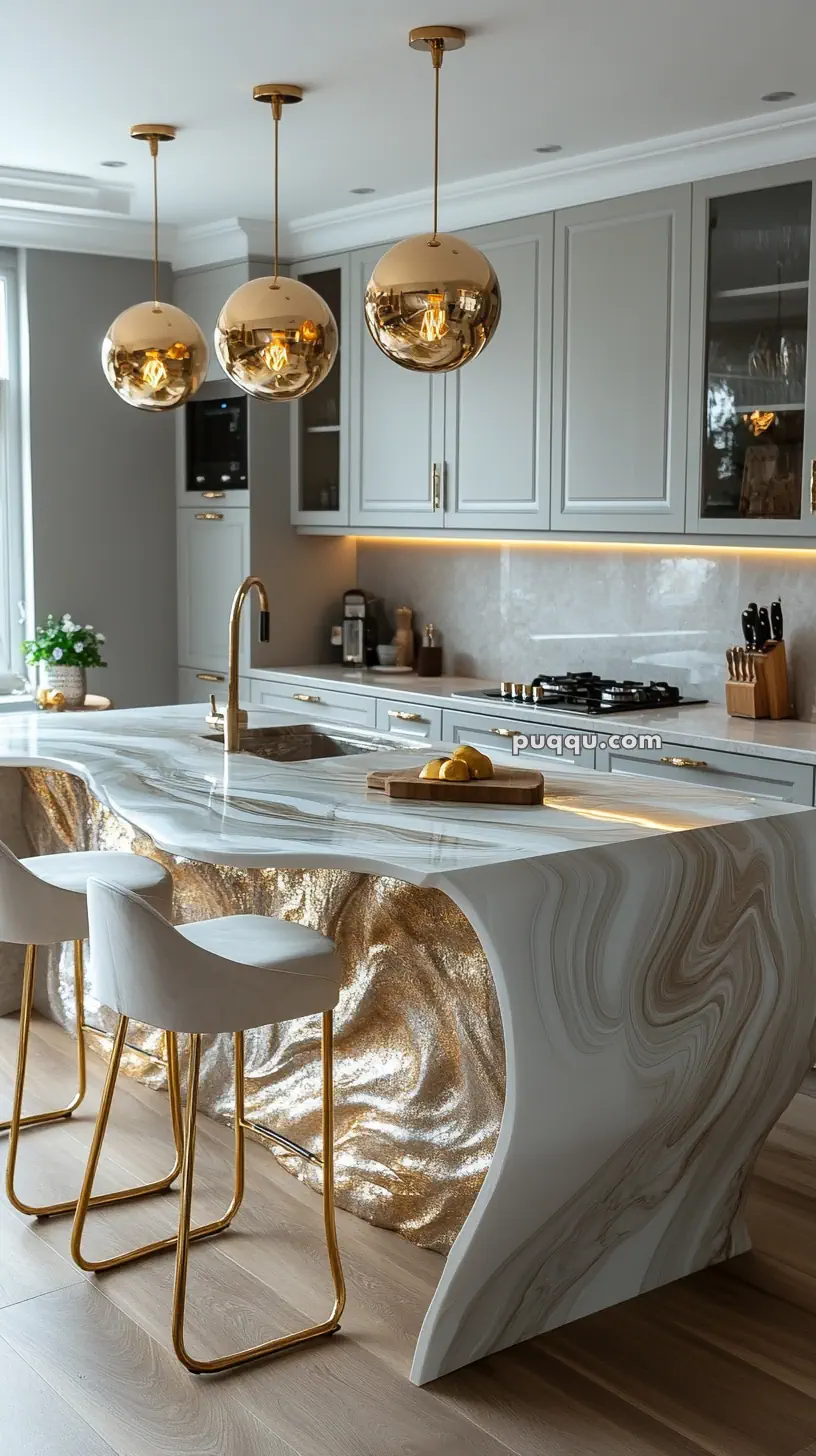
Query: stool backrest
(32, 912)
(142, 967)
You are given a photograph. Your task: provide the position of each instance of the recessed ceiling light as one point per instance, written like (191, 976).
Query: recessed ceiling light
(550, 149)
(361, 191)
(113, 164)
(779, 96)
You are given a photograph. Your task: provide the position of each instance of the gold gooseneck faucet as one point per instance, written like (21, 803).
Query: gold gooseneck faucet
(233, 716)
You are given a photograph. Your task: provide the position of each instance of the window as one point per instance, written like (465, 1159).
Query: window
(12, 588)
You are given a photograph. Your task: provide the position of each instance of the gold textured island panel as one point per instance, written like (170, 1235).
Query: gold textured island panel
(419, 1079)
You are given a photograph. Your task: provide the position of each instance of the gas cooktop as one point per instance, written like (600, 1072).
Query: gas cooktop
(585, 692)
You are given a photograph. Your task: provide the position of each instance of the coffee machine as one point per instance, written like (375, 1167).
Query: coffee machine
(360, 629)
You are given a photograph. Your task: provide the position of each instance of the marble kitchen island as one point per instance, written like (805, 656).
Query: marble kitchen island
(651, 952)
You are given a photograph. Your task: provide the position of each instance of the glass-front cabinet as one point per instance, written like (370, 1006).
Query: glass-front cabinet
(320, 438)
(752, 440)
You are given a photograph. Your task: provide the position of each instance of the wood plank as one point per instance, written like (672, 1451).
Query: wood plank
(34, 1420)
(129, 1390)
(27, 1266)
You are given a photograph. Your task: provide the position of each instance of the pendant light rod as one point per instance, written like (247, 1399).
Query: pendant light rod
(153, 133)
(277, 94)
(437, 39)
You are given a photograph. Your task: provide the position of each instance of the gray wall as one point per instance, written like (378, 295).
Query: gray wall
(645, 612)
(103, 492)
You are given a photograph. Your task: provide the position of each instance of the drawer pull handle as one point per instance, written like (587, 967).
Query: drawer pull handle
(209, 515)
(685, 762)
(210, 676)
(304, 698)
(406, 717)
(504, 732)
(213, 494)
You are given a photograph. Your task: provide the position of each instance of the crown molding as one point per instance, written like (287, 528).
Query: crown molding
(71, 232)
(740, 146)
(81, 215)
(235, 239)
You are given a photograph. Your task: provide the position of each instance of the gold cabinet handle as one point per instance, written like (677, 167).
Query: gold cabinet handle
(406, 717)
(210, 676)
(504, 732)
(213, 494)
(813, 486)
(685, 762)
(209, 515)
(435, 487)
(304, 698)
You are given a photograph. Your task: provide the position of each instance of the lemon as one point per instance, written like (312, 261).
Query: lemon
(455, 768)
(433, 769)
(481, 767)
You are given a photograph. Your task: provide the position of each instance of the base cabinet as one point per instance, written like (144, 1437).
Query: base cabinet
(743, 773)
(196, 686)
(553, 742)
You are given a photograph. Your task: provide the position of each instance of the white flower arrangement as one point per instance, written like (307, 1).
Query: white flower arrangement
(62, 641)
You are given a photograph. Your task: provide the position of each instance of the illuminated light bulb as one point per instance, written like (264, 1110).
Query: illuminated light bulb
(759, 421)
(275, 354)
(154, 372)
(434, 324)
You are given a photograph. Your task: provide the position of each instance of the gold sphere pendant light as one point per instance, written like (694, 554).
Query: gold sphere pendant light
(433, 301)
(154, 355)
(275, 337)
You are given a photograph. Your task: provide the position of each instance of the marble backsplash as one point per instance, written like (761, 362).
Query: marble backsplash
(646, 612)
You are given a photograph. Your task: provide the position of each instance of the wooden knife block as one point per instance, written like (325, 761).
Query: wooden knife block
(769, 695)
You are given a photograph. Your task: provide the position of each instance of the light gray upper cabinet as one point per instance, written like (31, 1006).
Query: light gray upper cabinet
(752, 397)
(397, 427)
(213, 559)
(202, 295)
(497, 408)
(620, 364)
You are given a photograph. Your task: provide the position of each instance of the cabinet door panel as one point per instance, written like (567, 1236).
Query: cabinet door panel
(213, 559)
(620, 363)
(752, 394)
(319, 422)
(497, 408)
(397, 427)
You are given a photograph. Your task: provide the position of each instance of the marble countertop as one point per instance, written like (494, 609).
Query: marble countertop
(155, 768)
(708, 726)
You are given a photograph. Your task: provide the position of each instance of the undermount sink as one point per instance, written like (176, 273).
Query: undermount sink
(285, 743)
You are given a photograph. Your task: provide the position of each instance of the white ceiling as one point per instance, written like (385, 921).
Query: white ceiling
(589, 74)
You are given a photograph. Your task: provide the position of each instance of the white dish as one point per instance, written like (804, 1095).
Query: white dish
(404, 671)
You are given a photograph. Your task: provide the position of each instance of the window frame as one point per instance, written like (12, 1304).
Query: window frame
(13, 593)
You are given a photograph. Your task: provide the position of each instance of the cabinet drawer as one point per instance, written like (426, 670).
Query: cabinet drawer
(495, 735)
(316, 704)
(771, 778)
(195, 686)
(409, 719)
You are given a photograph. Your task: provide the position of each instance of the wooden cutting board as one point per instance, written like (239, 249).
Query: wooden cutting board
(507, 786)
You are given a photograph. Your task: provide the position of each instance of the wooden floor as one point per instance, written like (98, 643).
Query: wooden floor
(724, 1362)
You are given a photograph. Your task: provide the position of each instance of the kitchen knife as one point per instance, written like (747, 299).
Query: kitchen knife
(749, 625)
(776, 621)
(730, 654)
(763, 634)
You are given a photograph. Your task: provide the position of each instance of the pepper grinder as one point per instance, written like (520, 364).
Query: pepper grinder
(429, 663)
(404, 637)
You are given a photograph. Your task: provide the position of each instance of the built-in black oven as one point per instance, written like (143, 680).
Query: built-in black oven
(216, 425)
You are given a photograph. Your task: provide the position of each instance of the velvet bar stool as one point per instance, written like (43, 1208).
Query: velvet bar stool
(43, 902)
(224, 975)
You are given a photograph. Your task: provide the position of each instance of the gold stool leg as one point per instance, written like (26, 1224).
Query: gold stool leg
(102, 1199)
(37, 1119)
(327, 1327)
(86, 1201)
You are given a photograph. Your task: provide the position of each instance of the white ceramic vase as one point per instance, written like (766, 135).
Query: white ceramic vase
(70, 681)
